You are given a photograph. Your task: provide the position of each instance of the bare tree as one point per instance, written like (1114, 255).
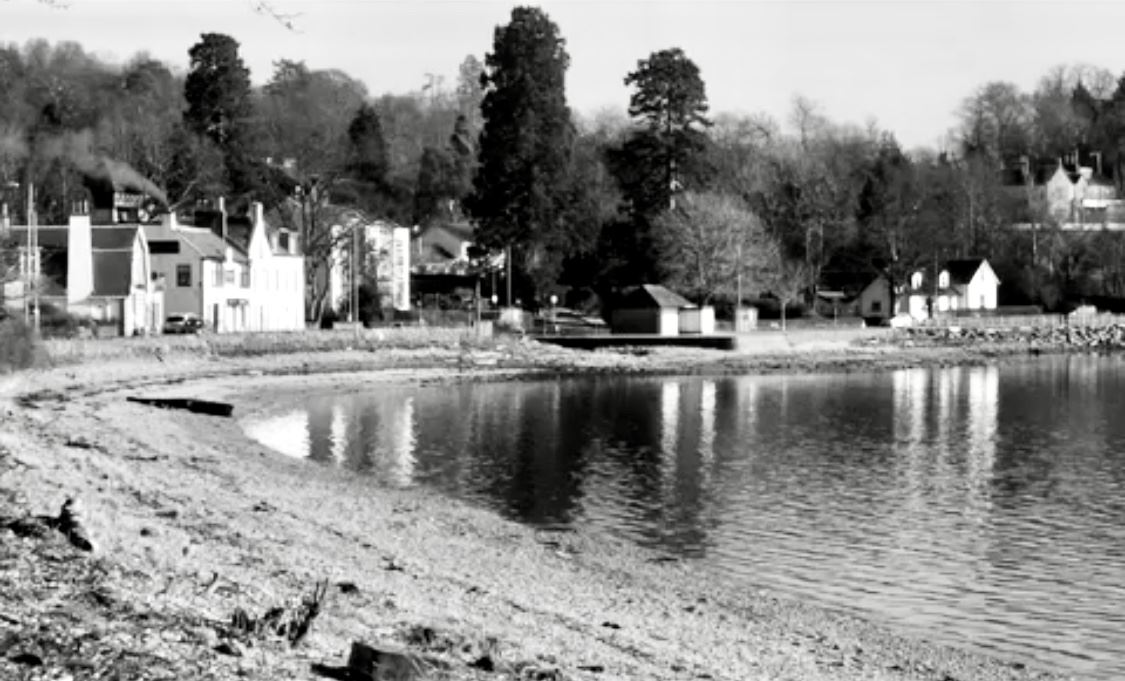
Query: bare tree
(996, 120)
(786, 279)
(707, 243)
(807, 118)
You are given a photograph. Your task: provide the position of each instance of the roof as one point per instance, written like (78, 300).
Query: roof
(50, 236)
(199, 239)
(444, 241)
(652, 295)
(239, 230)
(112, 259)
(116, 238)
(113, 271)
(962, 271)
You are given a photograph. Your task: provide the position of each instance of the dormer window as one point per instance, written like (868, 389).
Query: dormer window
(916, 280)
(283, 242)
(943, 279)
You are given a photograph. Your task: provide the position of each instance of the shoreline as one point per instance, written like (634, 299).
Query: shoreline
(191, 519)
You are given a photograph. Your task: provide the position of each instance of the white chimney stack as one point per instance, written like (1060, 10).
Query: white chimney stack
(223, 216)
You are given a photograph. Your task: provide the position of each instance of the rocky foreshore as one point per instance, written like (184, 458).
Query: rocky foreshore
(1034, 338)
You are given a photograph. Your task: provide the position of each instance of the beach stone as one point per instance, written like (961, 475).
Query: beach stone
(231, 647)
(368, 663)
(71, 523)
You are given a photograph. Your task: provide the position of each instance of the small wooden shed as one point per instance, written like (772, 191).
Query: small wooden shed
(648, 309)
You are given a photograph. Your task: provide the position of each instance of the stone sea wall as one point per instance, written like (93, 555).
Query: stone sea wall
(1056, 337)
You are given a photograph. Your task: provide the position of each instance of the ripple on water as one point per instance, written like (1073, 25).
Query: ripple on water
(982, 506)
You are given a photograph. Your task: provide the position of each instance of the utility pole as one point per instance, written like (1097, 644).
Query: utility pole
(32, 263)
(508, 263)
(355, 275)
(738, 289)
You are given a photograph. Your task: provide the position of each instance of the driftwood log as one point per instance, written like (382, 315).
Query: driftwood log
(208, 407)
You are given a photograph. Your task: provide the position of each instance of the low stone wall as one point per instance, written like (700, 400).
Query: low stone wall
(1108, 337)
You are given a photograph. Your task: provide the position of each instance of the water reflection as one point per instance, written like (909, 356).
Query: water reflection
(983, 506)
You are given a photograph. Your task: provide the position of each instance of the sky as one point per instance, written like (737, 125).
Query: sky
(905, 64)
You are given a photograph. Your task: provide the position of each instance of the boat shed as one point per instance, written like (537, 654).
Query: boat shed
(649, 309)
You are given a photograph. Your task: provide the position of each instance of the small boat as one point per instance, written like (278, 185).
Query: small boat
(197, 406)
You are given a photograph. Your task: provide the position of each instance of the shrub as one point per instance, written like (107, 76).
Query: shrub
(58, 323)
(19, 349)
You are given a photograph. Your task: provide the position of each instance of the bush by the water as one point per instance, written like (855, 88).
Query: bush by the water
(19, 349)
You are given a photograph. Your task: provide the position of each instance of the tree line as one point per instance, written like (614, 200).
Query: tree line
(716, 206)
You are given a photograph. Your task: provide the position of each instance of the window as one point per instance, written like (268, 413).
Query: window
(283, 242)
(246, 278)
(228, 276)
(943, 279)
(218, 275)
(183, 275)
(876, 306)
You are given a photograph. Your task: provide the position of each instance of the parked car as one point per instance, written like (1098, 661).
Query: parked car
(183, 323)
(564, 321)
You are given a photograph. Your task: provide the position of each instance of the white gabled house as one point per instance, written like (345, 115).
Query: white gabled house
(961, 286)
(236, 273)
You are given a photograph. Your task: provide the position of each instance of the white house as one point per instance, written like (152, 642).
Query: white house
(369, 249)
(235, 273)
(961, 286)
(98, 272)
(971, 284)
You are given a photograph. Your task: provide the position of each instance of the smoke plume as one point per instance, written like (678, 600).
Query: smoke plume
(77, 148)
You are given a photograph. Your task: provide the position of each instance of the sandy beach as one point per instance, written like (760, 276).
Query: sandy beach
(192, 523)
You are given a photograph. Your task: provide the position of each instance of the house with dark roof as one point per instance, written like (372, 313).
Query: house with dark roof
(961, 287)
(99, 272)
(971, 284)
(236, 273)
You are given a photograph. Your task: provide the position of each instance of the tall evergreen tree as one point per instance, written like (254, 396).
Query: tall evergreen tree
(445, 175)
(525, 146)
(368, 156)
(217, 90)
(665, 155)
(669, 153)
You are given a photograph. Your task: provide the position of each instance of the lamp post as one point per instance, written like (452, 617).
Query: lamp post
(554, 324)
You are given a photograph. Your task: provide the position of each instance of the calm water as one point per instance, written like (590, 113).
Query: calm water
(983, 507)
